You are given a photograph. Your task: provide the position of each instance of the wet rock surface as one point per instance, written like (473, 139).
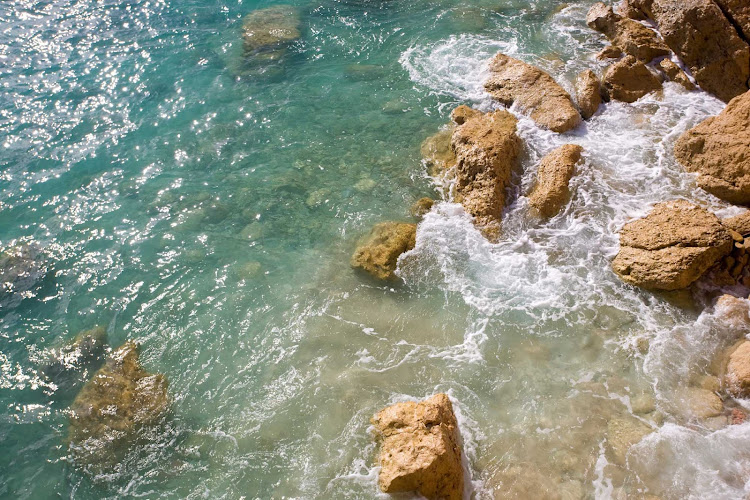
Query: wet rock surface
(86, 347)
(21, 267)
(378, 254)
(718, 150)
(437, 153)
(628, 80)
(631, 36)
(422, 206)
(420, 450)
(675, 74)
(534, 91)
(588, 93)
(551, 191)
(270, 30)
(671, 247)
(737, 376)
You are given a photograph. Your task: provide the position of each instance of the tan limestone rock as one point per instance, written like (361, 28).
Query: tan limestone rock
(628, 80)
(631, 36)
(737, 376)
(675, 74)
(588, 93)
(551, 191)
(379, 252)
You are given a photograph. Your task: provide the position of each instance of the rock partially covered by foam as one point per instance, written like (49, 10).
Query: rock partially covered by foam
(628, 80)
(113, 406)
(378, 254)
(551, 191)
(588, 93)
(270, 30)
(420, 449)
(675, 74)
(737, 375)
(671, 247)
(622, 433)
(486, 148)
(534, 91)
(631, 36)
(718, 149)
(86, 347)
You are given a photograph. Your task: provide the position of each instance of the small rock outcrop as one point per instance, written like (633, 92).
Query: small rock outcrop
(420, 449)
(551, 191)
(114, 405)
(379, 252)
(630, 36)
(628, 80)
(422, 206)
(437, 153)
(671, 247)
(675, 74)
(739, 223)
(267, 32)
(534, 91)
(486, 148)
(588, 93)
(609, 52)
(737, 376)
(718, 150)
(21, 266)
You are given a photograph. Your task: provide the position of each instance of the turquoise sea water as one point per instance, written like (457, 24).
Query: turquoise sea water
(183, 198)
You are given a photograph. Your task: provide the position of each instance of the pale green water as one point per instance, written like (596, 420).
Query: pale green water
(210, 213)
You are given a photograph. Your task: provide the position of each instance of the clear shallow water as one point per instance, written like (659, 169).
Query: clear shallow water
(183, 200)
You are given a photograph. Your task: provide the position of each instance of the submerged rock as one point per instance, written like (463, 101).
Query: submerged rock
(630, 36)
(675, 74)
(671, 247)
(535, 92)
(737, 376)
(21, 267)
(486, 148)
(551, 191)
(628, 80)
(438, 154)
(588, 93)
(420, 449)
(113, 406)
(267, 31)
(422, 206)
(622, 433)
(378, 254)
(86, 347)
(700, 403)
(718, 149)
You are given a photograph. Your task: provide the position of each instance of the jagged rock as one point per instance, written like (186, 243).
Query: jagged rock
(622, 433)
(633, 9)
(702, 36)
(588, 93)
(87, 346)
(420, 449)
(551, 191)
(487, 149)
(438, 154)
(737, 375)
(739, 223)
(268, 31)
(718, 149)
(535, 92)
(631, 36)
(609, 52)
(114, 405)
(738, 13)
(628, 80)
(422, 206)
(379, 253)
(671, 247)
(463, 113)
(675, 74)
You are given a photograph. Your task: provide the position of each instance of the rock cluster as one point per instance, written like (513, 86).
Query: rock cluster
(420, 450)
(630, 36)
(535, 92)
(718, 150)
(551, 191)
(378, 254)
(629, 79)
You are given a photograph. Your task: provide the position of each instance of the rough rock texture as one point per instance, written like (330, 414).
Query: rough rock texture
(675, 74)
(420, 449)
(379, 253)
(114, 405)
(551, 191)
(738, 13)
(422, 206)
(487, 149)
(631, 36)
(628, 80)
(437, 153)
(718, 149)
(702, 36)
(535, 92)
(588, 93)
(269, 30)
(609, 52)
(633, 9)
(671, 247)
(85, 347)
(737, 376)
(739, 223)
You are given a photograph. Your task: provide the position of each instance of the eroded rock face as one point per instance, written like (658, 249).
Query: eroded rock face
(114, 405)
(420, 449)
(739, 223)
(630, 36)
(551, 191)
(718, 149)
(422, 206)
(535, 92)
(379, 252)
(737, 377)
(671, 247)
(628, 80)
(609, 52)
(708, 43)
(738, 13)
(588, 93)
(675, 74)
(269, 31)
(486, 148)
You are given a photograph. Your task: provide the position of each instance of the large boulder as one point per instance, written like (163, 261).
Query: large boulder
(628, 80)
(675, 74)
(718, 149)
(114, 406)
(486, 148)
(535, 92)
(588, 93)
(631, 36)
(737, 375)
(268, 31)
(378, 254)
(551, 191)
(738, 13)
(671, 247)
(708, 43)
(420, 449)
